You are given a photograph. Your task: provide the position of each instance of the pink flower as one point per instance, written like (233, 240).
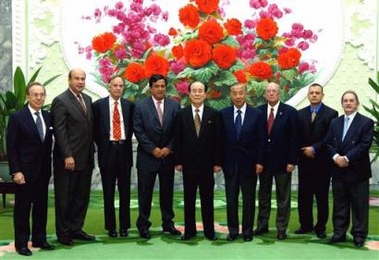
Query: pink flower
(250, 24)
(182, 87)
(256, 4)
(161, 39)
(303, 45)
(177, 67)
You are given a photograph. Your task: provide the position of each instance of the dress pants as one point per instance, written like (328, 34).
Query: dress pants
(234, 182)
(117, 170)
(203, 180)
(146, 181)
(283, 199)
(350, 198)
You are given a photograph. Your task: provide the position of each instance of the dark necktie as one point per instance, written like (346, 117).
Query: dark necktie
(160, 112)
(116, 123)
(81, 102)
(238, 123)
(270, 121)
(197, 121)
(39, 125)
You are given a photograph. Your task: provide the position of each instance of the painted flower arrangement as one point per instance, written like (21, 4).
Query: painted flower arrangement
(207, 47)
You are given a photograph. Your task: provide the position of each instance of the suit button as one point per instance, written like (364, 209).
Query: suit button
(268, 140)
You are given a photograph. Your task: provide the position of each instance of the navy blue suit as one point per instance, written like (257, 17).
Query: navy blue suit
(150, 134)
(28, 154)
(351, 184)
(241, 154)
(281, 149)
(115, 161)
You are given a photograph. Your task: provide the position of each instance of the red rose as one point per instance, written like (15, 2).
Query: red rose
(207, 6)
(134, 72)
(233, 26)
(211, 31)
(267, 28)
(177, 51)
(224, 56)
(156, 64)
(189, 16)
(172, 32)
(260, 70)
(240, 76)
(289, 59)
(103, 42)
(197, 52)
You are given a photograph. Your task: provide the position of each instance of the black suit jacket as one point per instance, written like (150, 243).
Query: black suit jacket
(102, 129)
(73, 130)
(150, 134)
(355, 147)
(249, 148)
(281, 146)
(26, 152)
(313, 134)
(198, 154)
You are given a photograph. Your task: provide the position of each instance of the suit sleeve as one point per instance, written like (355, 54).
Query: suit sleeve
(12, 133)
(139, 131)
(294, 140)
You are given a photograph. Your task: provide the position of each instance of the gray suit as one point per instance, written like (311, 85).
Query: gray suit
(73, 137)
(150, 134)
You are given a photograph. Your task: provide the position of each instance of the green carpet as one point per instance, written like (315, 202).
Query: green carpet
(169, 247)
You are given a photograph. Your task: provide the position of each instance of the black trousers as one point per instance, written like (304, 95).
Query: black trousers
(117, 171)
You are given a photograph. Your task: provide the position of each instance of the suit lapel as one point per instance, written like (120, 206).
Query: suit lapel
(352, 128)
(151, 104)
(106, 114)
(74, 100)
(230, 119)
(30, 121)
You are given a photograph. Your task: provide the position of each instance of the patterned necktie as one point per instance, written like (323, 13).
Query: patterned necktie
(116, 123)
(313, 115)
(238, 123)
(159, 111)
(345, 127)
(197, 121)
(270, 121)
(81, 102)
(39, 126)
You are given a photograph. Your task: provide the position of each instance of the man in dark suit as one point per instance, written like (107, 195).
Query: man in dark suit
(73, 158)
(348, 142)
(198, 156)
(243, 140)
(153, 124)
(281, 149)
(113, 136)
(29, 143)
(314, 164)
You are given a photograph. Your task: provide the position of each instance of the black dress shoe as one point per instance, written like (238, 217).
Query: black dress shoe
(44, 245)
(211, 238)
(232, 236)
(336, 239)
(260, 231)
(281, 235)
(24, 251)
(171, 230)
(358, 241)
(247, 238)
(124, 233)
(81, 235)
(65, 240)
(187, 237)
(321, 234)
(302, 230)
(144, 234)
(112, 233)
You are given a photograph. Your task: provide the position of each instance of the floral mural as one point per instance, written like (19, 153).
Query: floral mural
(205, 47)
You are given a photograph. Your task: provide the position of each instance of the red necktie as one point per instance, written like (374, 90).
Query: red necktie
(116, 123)
(270, 121)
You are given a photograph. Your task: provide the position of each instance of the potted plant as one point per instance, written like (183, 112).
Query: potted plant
(374, 111)
(10, 102)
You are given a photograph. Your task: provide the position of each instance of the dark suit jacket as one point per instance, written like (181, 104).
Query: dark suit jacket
(313, 134)
(198, 154)
(150, 134)
(26, 152)
(355, 147)
(73, 130)
(282, 145)
(249, 148)
(102, 129)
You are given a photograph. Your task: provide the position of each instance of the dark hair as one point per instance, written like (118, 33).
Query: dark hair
(34, 83)
(190, 85)
(316, 85)
(155, 77)
(350, 92)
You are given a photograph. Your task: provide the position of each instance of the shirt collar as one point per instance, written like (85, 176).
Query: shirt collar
(243, 109)
(318, 107)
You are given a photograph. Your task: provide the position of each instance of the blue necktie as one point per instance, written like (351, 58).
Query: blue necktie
(345, 127)
(238, 123)
(39, 125)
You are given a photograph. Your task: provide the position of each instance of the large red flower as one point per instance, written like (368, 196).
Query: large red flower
(211, 31)
(260, 70)
(267, 28)
(240, 76)
(207, 6)
(156, 64)
(134, 72)
(197, 52)
(189, 16)
(177, 51)
(233, 26)
(289, 59)
(103, 42)
(224, 56)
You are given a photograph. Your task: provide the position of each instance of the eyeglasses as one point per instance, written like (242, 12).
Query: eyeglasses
(36, 95)
(272, 91)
